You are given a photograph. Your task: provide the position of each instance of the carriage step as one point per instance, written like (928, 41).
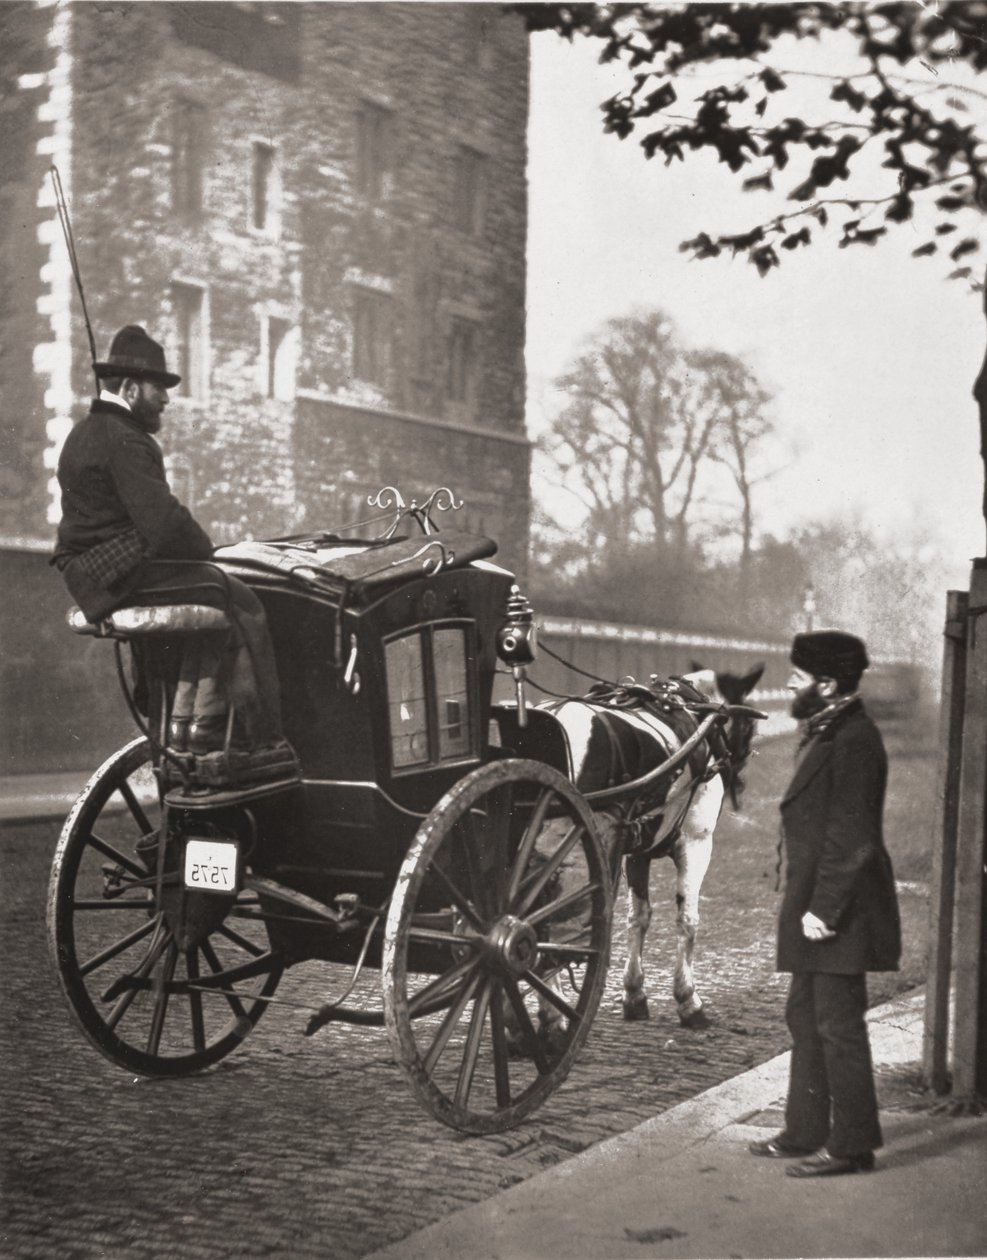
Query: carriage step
(233, 768)
(213, 797)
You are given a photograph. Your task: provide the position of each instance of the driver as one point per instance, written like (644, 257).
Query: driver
(124, 539)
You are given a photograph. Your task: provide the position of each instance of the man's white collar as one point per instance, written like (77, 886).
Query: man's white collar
(107, 395)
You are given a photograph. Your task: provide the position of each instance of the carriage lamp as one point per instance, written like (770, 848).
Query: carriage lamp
(517, 645)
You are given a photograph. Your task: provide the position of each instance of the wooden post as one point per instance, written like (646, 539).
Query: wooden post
(935, 1039)
(970, 1020)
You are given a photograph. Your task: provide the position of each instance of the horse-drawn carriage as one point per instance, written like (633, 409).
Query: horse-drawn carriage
(414, 839)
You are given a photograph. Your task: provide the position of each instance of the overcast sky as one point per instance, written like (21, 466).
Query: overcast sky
(870, 354)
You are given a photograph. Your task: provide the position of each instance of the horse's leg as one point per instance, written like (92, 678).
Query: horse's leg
(691, 853)
(638, 871)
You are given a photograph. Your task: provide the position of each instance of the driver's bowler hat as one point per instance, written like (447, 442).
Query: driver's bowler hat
(134, 354)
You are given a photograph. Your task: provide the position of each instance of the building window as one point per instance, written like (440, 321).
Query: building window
(187, 158)
(374, 151)
(462, 362)
(266, 190)
(282, 356)
(372, 336)
(469, 190)
(190, 337)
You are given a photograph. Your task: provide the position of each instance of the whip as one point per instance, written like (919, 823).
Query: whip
(63, 218)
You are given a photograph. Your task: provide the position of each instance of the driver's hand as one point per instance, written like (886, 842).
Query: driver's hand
(814, 929)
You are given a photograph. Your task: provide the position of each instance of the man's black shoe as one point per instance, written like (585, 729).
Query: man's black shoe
(207, 734)
(822, 1164)
(778, 1147)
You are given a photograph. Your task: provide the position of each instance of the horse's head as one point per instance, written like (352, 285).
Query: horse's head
(738, 733)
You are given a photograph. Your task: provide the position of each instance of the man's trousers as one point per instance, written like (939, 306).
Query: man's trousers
(249, 672)
(832, 1101)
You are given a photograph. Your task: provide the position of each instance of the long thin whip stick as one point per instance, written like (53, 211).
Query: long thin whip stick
(63, 218)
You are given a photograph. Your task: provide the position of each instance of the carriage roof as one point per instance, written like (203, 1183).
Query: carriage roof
(356, 570)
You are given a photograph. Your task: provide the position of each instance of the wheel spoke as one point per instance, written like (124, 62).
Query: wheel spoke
(135, 807)
(568, 950)
(489, 828)
(550, 995)
(529, 840)
(467, 1070)
(110, 851)
(462, 904)
(157, 947)
(434, 990)
(498, 1040)
(535, 884)
(124, 943)
(249, 946)
(527, 1028)
(562, 903)
(451, 1019)
(195, 999)
(215, 966)
(161, 1000)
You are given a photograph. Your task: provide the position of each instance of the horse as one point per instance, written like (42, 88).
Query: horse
(615, 736)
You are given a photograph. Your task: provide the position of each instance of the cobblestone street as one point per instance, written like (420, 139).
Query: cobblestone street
(298, 1146)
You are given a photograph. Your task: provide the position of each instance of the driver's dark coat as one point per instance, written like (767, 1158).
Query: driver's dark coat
(112, 477)
(836, 864)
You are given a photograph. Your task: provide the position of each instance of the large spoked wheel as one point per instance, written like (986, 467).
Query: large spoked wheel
(496, 946)
(150, 1004)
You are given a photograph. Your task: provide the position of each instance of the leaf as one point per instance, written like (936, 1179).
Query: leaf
(943, 229)
(969, 246)
(952, 203)
(772, 80)
(900, 210)
(660, 98)
(923, 251)
(961, 273)
(803, 237)
(759, 182)
(764, 259)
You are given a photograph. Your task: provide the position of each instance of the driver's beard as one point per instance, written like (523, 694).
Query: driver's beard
(808, 704)
(146, 414)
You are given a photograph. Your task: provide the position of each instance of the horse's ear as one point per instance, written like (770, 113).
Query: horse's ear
(750, 681)
(696, 668)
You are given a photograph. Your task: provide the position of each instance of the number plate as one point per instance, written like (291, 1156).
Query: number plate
(210, 866)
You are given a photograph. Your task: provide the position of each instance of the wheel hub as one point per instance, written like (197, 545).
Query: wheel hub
(513, 944)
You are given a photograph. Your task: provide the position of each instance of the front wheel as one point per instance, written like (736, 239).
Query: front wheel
(150, 1002)
(496, 945)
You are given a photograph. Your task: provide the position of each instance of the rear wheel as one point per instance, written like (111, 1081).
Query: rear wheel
(496, 946)
(153, 1001)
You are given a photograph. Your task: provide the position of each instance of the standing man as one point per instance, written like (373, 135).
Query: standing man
(124, 539)
(839, 913)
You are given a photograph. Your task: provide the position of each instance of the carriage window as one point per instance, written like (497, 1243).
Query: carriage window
(429, 696)
(452, 692)
(406, 701)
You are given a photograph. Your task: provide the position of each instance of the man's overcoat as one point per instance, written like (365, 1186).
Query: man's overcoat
(112, 476)
(836, 864)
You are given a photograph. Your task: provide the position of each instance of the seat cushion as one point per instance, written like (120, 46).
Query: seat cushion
(165, 619)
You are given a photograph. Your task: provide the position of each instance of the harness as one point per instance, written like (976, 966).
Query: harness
(674, 702)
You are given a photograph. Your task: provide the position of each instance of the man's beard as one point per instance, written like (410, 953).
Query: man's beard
(147, 415)
(808, 704)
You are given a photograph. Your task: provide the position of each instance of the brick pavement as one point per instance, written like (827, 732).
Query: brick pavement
(297, 1147)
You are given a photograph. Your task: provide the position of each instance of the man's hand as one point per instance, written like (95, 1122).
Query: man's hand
(814, 929)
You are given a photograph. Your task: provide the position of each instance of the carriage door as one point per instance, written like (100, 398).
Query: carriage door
(431, 695)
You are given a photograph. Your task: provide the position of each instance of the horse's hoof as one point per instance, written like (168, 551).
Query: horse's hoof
(696, 1020)
(636, 1008)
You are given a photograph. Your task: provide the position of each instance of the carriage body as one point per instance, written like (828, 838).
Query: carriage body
(386, 684)
(409, 841)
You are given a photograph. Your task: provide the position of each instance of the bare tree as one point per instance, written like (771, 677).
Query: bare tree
(643, 423)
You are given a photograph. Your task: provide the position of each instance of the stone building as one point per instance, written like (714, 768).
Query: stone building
(320, 209)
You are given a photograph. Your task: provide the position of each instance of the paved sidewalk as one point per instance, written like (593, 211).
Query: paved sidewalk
(683, 1184)
(28, 797)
